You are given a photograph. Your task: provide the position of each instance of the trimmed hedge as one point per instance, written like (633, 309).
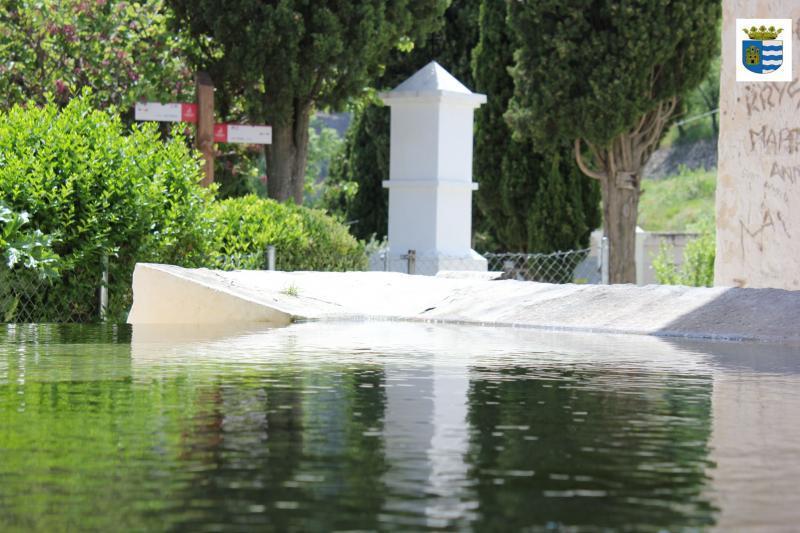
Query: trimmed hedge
(98, 190)
(304, 239)
(101, 191)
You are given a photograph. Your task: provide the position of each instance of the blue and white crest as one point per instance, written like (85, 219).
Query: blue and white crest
(762, 57)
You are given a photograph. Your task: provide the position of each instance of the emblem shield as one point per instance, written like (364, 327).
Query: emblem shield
(762, 57)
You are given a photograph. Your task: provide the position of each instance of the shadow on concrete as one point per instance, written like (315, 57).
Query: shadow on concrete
(743, 314)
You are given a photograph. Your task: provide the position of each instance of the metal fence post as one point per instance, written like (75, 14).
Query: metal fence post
(103, 293)
(270, 257)
(386, 260)
(604, 260)
(411, 257)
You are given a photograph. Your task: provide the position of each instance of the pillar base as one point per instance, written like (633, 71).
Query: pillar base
(428, 264)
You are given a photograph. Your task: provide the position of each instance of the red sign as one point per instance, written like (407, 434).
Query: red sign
(189, 113)
(220, 133)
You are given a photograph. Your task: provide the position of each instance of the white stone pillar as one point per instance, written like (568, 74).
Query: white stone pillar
(758, 177)
(430, 173)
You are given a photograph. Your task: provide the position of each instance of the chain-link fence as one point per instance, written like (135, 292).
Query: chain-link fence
(27, 297)
(572, 266)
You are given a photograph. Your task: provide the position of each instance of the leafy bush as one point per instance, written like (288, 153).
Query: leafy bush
(122, 50)
(25, 248)
(697, 269)
(304, 239)
(26, 259)
(101, 193)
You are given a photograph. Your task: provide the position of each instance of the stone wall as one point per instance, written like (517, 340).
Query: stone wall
(758, 194)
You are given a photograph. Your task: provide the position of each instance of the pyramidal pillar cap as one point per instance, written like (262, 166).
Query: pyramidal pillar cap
(432, 84)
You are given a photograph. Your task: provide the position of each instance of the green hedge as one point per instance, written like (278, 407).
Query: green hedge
(100, 191)
(304, 239)
(95, 189)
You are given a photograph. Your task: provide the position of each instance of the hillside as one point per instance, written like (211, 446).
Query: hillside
(678, 203)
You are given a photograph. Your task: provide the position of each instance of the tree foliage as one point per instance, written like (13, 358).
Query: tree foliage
(288, 57)
(100, 192)
(533, 199)
(607, 74)
(304, 239)
(123, 51)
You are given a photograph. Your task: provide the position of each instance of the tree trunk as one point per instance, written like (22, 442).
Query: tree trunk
(618, 166)
(620, 208)
(287, 155)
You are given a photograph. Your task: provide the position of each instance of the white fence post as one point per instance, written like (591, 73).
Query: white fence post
(103, 293)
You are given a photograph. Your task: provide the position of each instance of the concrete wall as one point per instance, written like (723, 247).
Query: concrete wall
(758, 220)
(648, 245)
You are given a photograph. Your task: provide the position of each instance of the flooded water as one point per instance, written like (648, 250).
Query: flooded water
(392, 426)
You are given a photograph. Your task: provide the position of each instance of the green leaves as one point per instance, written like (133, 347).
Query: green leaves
(592, 68)
(304, 239)
(53, 49)
(533, 198)
(101, 193)
(25, 248)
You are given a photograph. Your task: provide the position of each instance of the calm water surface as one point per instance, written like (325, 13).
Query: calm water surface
(376, 426)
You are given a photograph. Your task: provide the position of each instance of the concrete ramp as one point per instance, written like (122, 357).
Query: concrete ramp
(165, 294)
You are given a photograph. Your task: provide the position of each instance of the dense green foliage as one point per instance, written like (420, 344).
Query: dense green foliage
(532, 200)
(354, 186)
(678, 203)
(700, 107)
(697, 269)
(22, 247)
(608, 75)
(591, 70)
(286, 58)
(123, 50)
(354, 189)
(26, 257)
(100, 193)
(683, 203)
(324, 145)
(304, 239)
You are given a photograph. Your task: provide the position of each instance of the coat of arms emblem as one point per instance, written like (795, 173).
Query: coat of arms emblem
(762, 53)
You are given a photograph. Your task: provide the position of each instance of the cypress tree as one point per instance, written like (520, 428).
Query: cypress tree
(532, 200)
(606, 76)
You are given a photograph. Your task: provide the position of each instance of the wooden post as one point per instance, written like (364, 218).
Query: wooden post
(205, 124)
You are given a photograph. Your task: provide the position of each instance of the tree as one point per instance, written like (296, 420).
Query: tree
(532, 199)
(122, 51)
(700, 108)
(285, 57)
(355, 188)
(606, 75)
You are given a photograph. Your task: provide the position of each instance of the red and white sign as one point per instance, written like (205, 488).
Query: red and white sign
(166, 112)
(237, 133)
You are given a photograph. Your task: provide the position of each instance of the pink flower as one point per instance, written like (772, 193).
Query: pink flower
(69, 33)
(61, 88)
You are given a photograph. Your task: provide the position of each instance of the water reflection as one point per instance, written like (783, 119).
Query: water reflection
(402, 426)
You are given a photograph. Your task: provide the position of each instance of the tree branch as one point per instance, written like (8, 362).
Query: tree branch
(582, 165)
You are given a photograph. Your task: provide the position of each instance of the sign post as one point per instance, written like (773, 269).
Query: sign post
(202, 114)
(205, 124)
